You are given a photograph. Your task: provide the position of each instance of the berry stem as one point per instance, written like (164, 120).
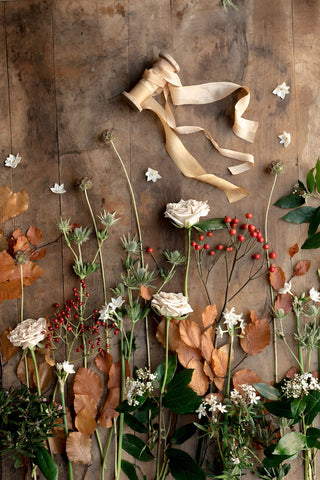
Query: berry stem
(229, 362)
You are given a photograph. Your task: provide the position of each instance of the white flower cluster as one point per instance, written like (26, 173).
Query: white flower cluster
(232, 320)
(300, 385)
(213, 405)
(247, 396)
(143, 385)
(109, 308)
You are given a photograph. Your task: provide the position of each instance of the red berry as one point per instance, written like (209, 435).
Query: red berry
(260, 239)
(87, 294)
(266, 246)
(78, 350)
(100, 349)
(272, 269)
(82, 347)
(240, 238)
(254, 234)
(97, 322)
(201, 237)
(248, 215)
(206, 246)
(227, 219)
(209, 234)
(74, 289)
(57, 340)
(108, 345)
(95, 311)
(212, 253)
(235, 220)
(89, 342)
(56, 305)
(149, 250)
(69, 329)
(55, 320)
(50, 328)
(116, 332)
(80, 303)
(193, 244)
(244, 226)
(220, 247)
(232, 231)
(98, 343)
(251, 228)
(56, 325)
(103, 324)
(272, 255)
(229, 249)
(47, 346)
(256, 256)
(92, 346)
(76, 316)
(198, 247)
(83, 285)
(63, 313)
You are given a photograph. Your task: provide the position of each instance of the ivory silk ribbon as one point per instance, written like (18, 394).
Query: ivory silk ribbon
(163, 78)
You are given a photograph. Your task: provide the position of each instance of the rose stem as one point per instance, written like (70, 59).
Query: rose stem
(36, 372)
(187, 265)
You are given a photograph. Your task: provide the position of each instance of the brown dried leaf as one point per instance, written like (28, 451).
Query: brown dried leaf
(174, 335)
(87, 382)
(115, 374)
(245, 376)
(219, 383)
(186, 353)
(6, 347)
(190, 333)
(49, 360)
(145, 292)
(103, 361)
(10, 290)
(199, 381)
(58, 442)
(302, 268)
(209, 316)
(6, 266)
(208, 370)
(207, 344)
(253, 316)
(18, 242)
(291, 372)
(257, 336)
(284, 301)
(3, 242)
(293, 250)
(277, 278)
(38, 254)
(12, 204)
(108, 411)
(21, 371)
(45, 375)
(85, 401)
(34, 235)
(85, 422)
(219, 360)
(78, 448)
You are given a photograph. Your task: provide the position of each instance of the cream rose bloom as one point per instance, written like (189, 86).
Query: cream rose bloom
(28, 333)
(187, 212)
(171, 304)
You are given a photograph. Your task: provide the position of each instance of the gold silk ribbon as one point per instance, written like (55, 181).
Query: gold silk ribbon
(163, 78)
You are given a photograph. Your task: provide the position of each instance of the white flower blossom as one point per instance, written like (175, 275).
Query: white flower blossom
(234, 320)
(314, 295)
(285, 289)
(66, 367)
(152, 175)
(248, 395)
(213, 405)
(220, 332)
(186, 212)
(173, 305)
(28, 333)
(285, 139)
(281, 90)
(235, 460)
(12, 161)
(58, 188)
(109, 309)
(142, 386)
(300, 385)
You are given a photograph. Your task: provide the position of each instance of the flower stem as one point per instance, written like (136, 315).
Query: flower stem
(121, 417)
(300, 356)
(167, 354)
(65, 426)
(36, 372)
(105, 455)
(187, 264)
(229, 363)
(22, 296)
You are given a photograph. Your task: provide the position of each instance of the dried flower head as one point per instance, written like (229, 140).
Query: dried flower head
(64, 225)
(277, 167)
(108, 136)
(108, 219)
(84, 183)
(175, 258)
(21, 257)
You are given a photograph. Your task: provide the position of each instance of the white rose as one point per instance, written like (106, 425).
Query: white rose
(171, 304)
(187, 212)
(28, 333)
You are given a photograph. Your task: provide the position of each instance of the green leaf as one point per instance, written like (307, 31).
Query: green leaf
(183, 466)
(142, 414)
(297, 407)
(317, 176)
(136, 447)
(312, 242)
(47, 465)
(183, 434)
(312, 407)
(211, 224)
(172, 366)
(129, 470)
(274, 473)
(267, 391)
(311, 180)
(313, 437)
(290, 201)
(290, 444)
(179, 397)
(124, 406)
(314, 222)
(279, 408)
(135, 424)
(299, 215)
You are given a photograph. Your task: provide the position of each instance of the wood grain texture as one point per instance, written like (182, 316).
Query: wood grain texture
(63, 66)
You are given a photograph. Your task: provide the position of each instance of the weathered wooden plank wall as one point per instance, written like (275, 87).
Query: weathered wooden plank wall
(63, 66)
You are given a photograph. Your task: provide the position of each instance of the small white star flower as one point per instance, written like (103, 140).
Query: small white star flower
(13, 160)
(285, 289)
(152, 175)
(66, 367)
(58, 188)
(281, 90)
(314, 295)
(285, 138)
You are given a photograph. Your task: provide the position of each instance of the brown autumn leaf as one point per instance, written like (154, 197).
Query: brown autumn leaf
(85, 422)
(12, 204)
(85, 401)
(207, 344)
(256, 337)
(219, 360)
(293, 250)
(253, 316)
(21, 371)
(103, 361)
(190, 333)
(219, 383)
(57, 443)
(245, 376)
(186, 353)
(115, 374)
(145, 292)
(78, 448)
(18, 241)
(10, 290)
(292, 372)
(49, 360)
(208, 370)
(277, 278)
(174, 335)
(7, 266)
(284, 301)
(38, 254)
(302, 268)
(7, 348)
(30, 271)
(199, 381)
(87, 382)
(3, 242)
(108, 411)
(34, 235)
(45, 375)
(209, 316)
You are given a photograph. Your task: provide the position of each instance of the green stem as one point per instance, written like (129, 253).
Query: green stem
(99, 442)
(300, 356)
(105, 455)
(36, 372)
(65, 425)
(187, 264)
(229, 363)
(167, 355)
(121, 417)
(159, 439)
(22, 296)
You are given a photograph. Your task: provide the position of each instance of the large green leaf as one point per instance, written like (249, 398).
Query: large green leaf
(183, 434)
(135, 424)
(299, 215)
(136, 447)
(124, 406)
(274, 473)
(267, 391)
(312, 242)
(183, 466)
(172, 366)
(311, 180)
(313, 437)
(317, 176)
(211, 224)
(298, 405)
(129, 470)
(275, 460)
(290, 444)
(179, 397)
(312, 407)
(314, 222)
(149, 407)
(290, 201)
(47, 465)
(279, 408)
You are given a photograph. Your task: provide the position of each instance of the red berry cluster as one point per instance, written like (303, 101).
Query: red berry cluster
(203, 244)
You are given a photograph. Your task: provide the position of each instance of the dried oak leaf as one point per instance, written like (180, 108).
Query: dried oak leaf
(209, 316)
(284, 301)
(245, 376)
(256, 337)
(7, 348)
(199, 381)
(34, 235)
(103, 361)
(115, 374)
(108, 411)
(45, 375)
(302, 268)
(186, 353)
(190, 333)
(7, 266)
(87, 382)
(145, 292)
(174, 335)
(277, 278)
(84, 401)
(21, 371)
(85, 422)
(12, 204)
(293, 250)
(78, 448)
(207, 344)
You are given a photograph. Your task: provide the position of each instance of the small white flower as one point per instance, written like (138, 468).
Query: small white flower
(220, 332)
(235, 460)
(285, 138)
(314, 295)
(66, 367)
(13, 160)
(58, 188)
(285, 289)
(232, 319)
(202, 412)
(116, 303)
(281, 90)
(152, 175)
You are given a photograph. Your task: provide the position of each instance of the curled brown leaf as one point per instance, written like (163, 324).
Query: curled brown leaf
(277, 278)
(87, 382)
(302, 268)
(78, 448)
(190, 333)
(209, 316)
(174, 335)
